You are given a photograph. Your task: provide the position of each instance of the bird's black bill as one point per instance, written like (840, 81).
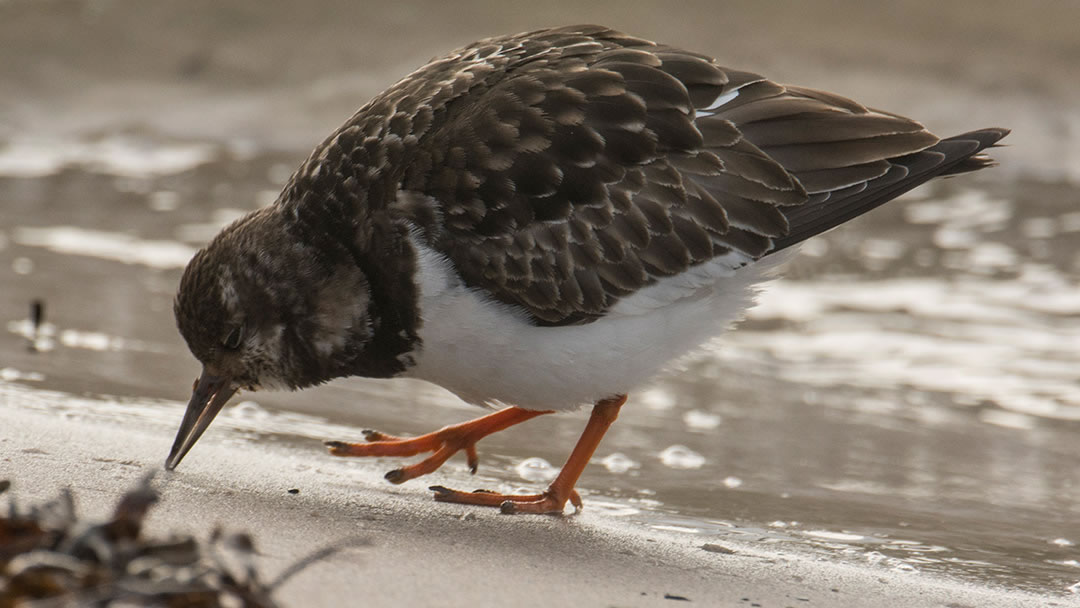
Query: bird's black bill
(210, 394)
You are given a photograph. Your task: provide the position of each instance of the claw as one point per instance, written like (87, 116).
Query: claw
(373, 435)
(337, 448)
(575, 500)
(441, 493)
(472, 458)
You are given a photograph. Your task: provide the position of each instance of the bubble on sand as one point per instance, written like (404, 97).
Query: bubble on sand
(681, 457)
(697, 419)
(619, 463)
(536, 470)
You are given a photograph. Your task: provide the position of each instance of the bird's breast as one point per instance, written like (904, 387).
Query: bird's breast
(487, 352)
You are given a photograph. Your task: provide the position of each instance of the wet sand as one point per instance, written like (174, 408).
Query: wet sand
(428, 554)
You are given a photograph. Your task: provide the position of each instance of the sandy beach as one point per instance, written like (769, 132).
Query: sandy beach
(895, 425)
(427, 554)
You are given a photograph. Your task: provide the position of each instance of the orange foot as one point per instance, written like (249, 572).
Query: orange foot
(545, 502)
(553, 499)
(444, 442)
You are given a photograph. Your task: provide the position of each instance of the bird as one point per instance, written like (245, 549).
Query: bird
(537, 222)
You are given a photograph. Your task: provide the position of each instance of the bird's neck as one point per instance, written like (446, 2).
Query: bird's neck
(389, 263)
(337, 205)
(353, 269)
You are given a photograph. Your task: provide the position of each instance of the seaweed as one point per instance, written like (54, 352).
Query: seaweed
(49, 558)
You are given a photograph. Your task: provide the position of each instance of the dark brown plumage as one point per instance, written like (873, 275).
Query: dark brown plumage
(571, 167)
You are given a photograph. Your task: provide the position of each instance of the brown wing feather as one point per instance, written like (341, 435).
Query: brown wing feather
(571, 167)
(590, 136)
(957, 154)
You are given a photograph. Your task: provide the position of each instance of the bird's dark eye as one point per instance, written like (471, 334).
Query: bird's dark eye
(232, 341)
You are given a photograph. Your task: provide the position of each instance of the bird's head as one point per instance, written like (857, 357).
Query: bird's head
(260, 309)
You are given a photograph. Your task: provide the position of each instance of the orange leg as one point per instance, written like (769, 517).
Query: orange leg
(553, 499)
(444, 442)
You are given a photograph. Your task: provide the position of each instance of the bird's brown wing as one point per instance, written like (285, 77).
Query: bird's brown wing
(826, 210)
(575, 166)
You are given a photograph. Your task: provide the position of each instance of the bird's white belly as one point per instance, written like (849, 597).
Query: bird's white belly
(486, 352)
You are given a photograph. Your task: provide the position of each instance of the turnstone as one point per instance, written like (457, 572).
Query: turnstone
(536, 222)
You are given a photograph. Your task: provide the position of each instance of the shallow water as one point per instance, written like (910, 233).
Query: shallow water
(908, 398)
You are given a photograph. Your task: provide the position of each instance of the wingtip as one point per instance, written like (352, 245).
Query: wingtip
(982, 139)
(985, 137)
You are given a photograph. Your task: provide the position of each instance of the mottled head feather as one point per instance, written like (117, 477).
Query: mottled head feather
(307, 305)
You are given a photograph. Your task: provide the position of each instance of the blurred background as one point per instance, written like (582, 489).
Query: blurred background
(909, 397)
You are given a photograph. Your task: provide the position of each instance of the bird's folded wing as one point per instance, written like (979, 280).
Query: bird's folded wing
(576, 166)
